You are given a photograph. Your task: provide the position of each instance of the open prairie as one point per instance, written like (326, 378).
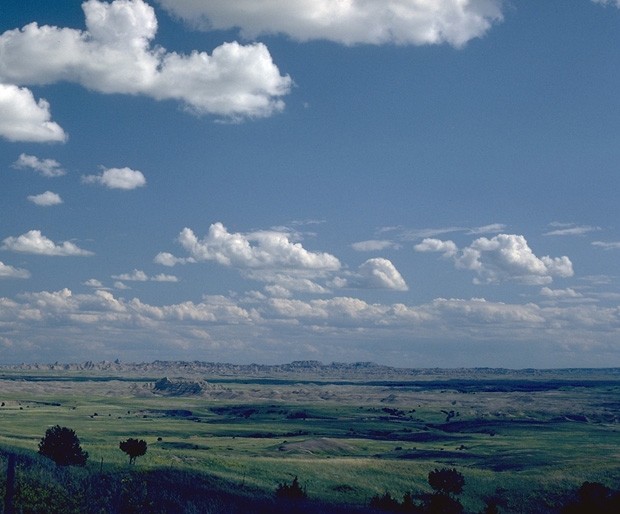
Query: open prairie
(349, 432)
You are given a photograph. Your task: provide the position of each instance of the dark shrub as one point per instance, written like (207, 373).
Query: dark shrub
(62, 445)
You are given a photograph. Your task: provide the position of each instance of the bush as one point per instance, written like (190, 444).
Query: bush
(291, 492)
(594, 497)
(62, 445)
(385, 502)
(446, 481)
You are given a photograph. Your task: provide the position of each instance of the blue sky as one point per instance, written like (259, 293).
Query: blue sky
(415, 183)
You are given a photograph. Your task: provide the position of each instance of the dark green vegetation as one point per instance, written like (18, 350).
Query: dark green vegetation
(134, 448)
(62, 445)
(230, 436)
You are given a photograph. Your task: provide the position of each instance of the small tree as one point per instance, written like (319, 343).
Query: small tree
(62, 445)
(134, 448)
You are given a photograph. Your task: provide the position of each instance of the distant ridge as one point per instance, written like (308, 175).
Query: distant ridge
(301, 369)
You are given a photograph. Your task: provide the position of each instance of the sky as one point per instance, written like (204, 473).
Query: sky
(416, 183)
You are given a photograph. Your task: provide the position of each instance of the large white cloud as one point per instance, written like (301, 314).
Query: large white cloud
(262, 249)
(274, 327)
(503, 257)
(7, 271)
(22, 118)
(349, 22)
(35, 242)
(115, 55)
(103, 307)
(117, 178)
(276, 259)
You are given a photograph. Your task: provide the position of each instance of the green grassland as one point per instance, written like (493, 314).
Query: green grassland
(526, 441)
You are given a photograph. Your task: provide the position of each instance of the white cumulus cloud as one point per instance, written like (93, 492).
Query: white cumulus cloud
(46, 199)
(22, 118)
(36, 243)
(115, 55)
(275, 258)
(448, 248)
(167, 259)
(375, 273)
(117, 178)
(7, 271)
(349, 22)
(261, 249)
(501, 258)
(45, 167)
(93, 282)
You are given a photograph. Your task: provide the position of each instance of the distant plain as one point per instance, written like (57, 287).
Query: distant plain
(349, 432)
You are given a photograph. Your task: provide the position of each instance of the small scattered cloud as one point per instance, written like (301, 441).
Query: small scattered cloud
(570, 229)
(36, 243)
(23, 119)
(560, 294)
(117, 178)
(415, 234)
(607, 245)
(375, 273)
(505, 257)
(422, 233)
(493, 228)
(141, 276)
(93, 282)
(403, 22)
(7, 271)
(115, 54)
(45, 167)
(162, 277)
(134, 276)
(447, 248)
(167, 259)
(46, 199)
(283, 285)
(374, 245)
(608, 2)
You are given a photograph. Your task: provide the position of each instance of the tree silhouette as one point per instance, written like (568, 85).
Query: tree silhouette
(594, 497)
(62, 445)
(446, 481)
(134, 448)
(291, 492)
